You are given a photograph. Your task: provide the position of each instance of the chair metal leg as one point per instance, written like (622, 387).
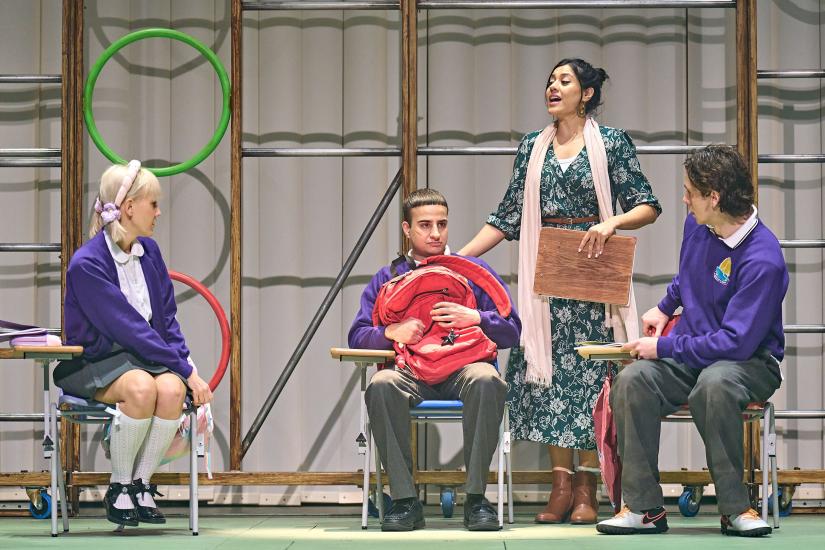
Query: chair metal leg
(193, 472)
(365, 450)
(54, 466)
(770, 427)
(366, 488)
(508, 464)
(766, 416)
(500, 476)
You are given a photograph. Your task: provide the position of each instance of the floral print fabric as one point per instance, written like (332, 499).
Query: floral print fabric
(562, 415)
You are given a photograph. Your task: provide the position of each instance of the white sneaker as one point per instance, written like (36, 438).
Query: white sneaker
(630, 523)
(746, 524)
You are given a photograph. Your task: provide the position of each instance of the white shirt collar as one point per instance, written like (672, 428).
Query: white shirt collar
(118, 254)
(446, 253)
(739, 235)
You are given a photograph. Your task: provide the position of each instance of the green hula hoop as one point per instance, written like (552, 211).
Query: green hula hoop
(88, 93)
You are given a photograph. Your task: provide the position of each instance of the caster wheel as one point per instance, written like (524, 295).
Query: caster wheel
(690, 501)
(45, 509)
(372, 509)
(447, 501)
(785, 503)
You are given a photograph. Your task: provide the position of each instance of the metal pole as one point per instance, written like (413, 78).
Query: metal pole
(30, 247)
(30, 152)
(487, 4)
(804, 329)
(800, 243)
(792, 159)
(30, 79)
(818, 73)
(510, 150)
(559, 4)
(30, 163)
(322, 311)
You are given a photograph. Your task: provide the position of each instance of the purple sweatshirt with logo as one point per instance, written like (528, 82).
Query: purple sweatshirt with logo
(504, 331)
(731, 298)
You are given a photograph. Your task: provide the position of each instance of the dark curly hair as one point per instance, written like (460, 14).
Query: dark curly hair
(722, 169)
(588, 77)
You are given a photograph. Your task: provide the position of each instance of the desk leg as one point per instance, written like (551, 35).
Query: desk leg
(363, 442)
(48, 441)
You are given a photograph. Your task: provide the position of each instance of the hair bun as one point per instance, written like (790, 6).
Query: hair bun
(602, 74)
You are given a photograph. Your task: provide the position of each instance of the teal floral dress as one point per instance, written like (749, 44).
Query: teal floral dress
(562, 415)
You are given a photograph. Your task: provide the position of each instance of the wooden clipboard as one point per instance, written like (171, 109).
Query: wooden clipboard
(564, 272)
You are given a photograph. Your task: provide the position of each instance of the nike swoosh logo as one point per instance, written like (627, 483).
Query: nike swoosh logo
(647, 519)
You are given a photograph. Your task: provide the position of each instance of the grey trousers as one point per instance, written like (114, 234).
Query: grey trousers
(645, 391)
(391, 394)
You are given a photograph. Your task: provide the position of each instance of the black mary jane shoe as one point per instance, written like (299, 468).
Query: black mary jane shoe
(119, 516)
(146, 514)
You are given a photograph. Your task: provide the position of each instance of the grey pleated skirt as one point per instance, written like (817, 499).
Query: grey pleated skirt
(82, 378)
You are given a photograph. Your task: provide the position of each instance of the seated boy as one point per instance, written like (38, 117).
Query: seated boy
(392, 391)
(723, 353)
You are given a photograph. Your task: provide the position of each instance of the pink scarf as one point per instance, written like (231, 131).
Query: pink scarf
(536, 335)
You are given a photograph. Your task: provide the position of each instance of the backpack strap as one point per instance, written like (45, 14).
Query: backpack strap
(400, 260)
(478, 275)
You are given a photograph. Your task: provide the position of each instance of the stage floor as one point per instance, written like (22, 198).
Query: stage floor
(306, 527)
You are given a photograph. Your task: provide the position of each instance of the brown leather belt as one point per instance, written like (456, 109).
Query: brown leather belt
(570, 221)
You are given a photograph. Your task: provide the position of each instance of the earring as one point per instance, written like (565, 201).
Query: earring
(580, 111)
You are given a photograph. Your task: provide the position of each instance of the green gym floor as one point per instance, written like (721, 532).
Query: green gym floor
(309, 527)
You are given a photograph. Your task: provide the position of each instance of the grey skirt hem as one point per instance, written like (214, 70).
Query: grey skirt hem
(82, 378)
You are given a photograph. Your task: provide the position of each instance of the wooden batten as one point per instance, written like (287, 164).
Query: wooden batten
(235, 294)
(746, 98)
(409, 101)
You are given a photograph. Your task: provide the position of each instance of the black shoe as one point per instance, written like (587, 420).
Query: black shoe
(479, 515)
(146, 514)
(405, 514)
(119, 515)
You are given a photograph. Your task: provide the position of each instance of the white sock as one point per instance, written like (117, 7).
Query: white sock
(156, 443)
(126, 437)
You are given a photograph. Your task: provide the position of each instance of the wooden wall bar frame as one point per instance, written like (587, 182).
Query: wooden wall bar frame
(409, 102)
(235, 263)
(746, 90)
(71, 184)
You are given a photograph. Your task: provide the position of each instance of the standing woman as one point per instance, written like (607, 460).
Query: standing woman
(569, 175)
(120, 306)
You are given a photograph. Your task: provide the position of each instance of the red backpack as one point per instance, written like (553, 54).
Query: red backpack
(441, 351)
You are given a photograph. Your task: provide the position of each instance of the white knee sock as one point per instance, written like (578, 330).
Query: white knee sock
(154, 447)
(126, 437)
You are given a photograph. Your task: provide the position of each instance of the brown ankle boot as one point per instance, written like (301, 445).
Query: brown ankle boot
(585, 507)
(560, 501)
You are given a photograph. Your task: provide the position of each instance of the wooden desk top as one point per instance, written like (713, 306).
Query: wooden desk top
(603, 353)
(362, 355)
(41, 352)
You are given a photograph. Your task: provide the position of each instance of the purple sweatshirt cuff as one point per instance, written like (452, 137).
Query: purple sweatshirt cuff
(667, 306)
(664, 347)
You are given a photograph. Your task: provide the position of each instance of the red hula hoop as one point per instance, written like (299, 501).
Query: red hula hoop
(226, 339)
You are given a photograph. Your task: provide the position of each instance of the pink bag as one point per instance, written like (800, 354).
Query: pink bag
(180, 444)
(607, 445)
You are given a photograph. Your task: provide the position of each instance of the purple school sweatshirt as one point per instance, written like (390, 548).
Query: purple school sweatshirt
(97, 314)
(503, 331)
(731, 298)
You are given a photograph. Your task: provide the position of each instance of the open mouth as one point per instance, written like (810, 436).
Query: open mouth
(554, 100)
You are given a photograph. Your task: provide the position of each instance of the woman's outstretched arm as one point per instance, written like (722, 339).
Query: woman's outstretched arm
(487, 238)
